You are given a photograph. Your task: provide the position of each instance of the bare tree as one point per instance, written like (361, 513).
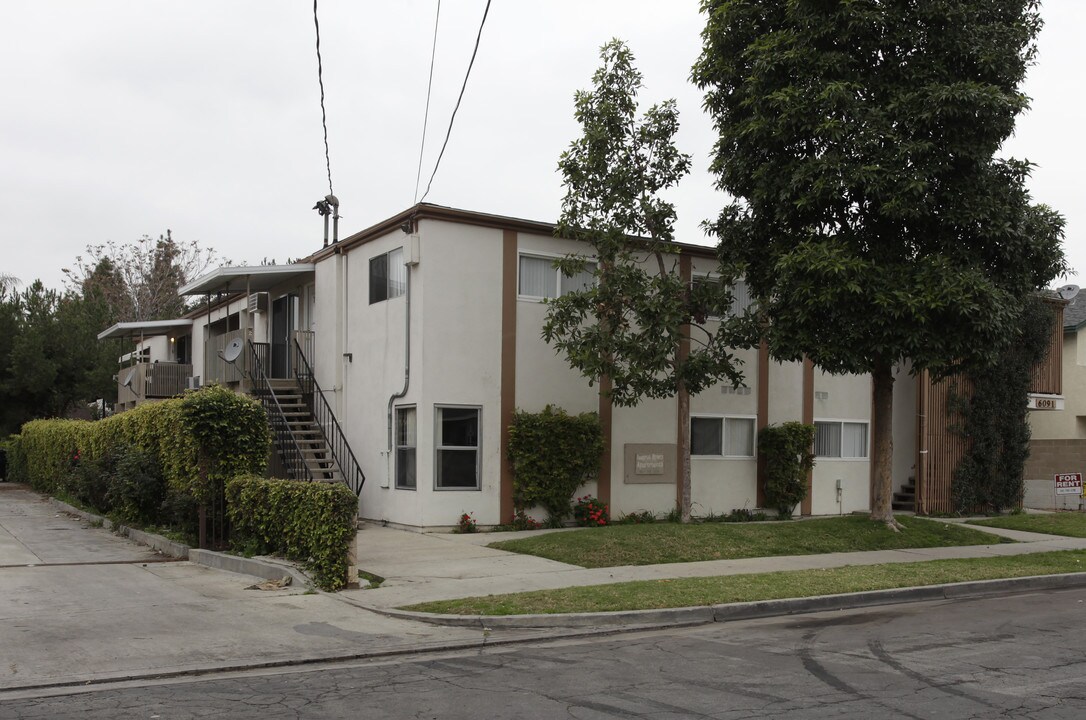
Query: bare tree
(139, 281)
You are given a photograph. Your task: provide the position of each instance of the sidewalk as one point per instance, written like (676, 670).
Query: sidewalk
(421, 567)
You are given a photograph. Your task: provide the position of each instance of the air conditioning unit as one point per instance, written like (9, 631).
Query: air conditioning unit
(258, 303)
(193, 382)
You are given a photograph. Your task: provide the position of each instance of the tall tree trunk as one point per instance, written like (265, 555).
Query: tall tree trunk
(683, 396)
(882, 443)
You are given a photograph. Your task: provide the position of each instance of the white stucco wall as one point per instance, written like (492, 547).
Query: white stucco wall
(847, 398)
(543, 376)
(461, 273)
(722, 484)
(1069, 423)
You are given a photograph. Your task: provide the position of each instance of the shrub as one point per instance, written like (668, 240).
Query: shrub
(466, 524)
(87, 480)
(312, 522)
(196, 441)
(16, 460)
(638, 517)
(787, 451)
(521, 521)
(48, 448)
(552, 454)
(994, 419)
(136, 491)
(230, 436)
(590, 512)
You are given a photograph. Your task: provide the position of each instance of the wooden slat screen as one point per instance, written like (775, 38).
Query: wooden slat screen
(1048, 376)
(945, 448)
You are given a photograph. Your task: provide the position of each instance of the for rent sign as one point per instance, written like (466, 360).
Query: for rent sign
(1069, 484)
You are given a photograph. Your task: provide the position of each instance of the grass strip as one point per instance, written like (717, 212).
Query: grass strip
(658, 543)
(1071, 524)
(693, 592)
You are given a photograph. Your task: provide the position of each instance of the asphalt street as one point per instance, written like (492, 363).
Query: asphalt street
(1020, 656)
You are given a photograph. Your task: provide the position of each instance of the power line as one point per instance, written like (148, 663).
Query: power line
(324, 116)
(426, 114)
(461, 97)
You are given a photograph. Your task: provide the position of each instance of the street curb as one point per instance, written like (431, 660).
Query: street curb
(673, 617)
(265, 568)
(262, 568)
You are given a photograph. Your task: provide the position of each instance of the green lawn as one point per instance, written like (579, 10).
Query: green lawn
(657, 543)
(692, 592)
(1071, 524)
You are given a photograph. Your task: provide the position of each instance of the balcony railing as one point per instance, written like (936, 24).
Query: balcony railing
(156, 380)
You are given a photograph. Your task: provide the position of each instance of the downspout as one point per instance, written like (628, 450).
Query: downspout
(341, 299)
(406, 354)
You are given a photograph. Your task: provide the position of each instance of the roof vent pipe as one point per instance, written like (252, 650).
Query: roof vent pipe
(329, 206)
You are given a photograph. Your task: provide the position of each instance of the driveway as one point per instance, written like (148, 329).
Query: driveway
(79, 604)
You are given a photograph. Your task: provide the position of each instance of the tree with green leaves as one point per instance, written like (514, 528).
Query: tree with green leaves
(993, 418)
(50, 359)
(871, 218)
(641, 329)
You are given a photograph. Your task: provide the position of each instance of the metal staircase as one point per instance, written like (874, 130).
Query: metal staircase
(307, 434)
(309, 441)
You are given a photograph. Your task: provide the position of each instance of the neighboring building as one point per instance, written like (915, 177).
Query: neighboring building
(422, 336)
(928, 447)
(1058, 422)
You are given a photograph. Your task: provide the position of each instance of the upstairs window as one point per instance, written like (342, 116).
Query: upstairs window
(388, 276)
(741, 298)
(540, 279)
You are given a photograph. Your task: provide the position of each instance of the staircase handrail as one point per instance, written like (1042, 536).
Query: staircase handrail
(286, 444)
(327, 422)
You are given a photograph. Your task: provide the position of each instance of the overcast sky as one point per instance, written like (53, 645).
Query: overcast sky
(122, 119)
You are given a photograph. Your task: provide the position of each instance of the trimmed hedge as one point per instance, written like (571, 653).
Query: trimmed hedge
(553, 453)
(312, 522)
(196, 442)
(787, 451)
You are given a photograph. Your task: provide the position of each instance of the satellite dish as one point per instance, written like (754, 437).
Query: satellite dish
(232, 351)
(129, 378)
(1068, 292)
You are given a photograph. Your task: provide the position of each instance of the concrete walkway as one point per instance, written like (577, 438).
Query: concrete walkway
(424, 567)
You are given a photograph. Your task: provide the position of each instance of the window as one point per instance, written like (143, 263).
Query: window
(388, 276)
(722, 436)
(406, 441)
(540, 279)
(838, 439)
(741, 299)
(456, 441)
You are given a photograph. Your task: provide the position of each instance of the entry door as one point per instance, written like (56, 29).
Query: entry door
(282, 325)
